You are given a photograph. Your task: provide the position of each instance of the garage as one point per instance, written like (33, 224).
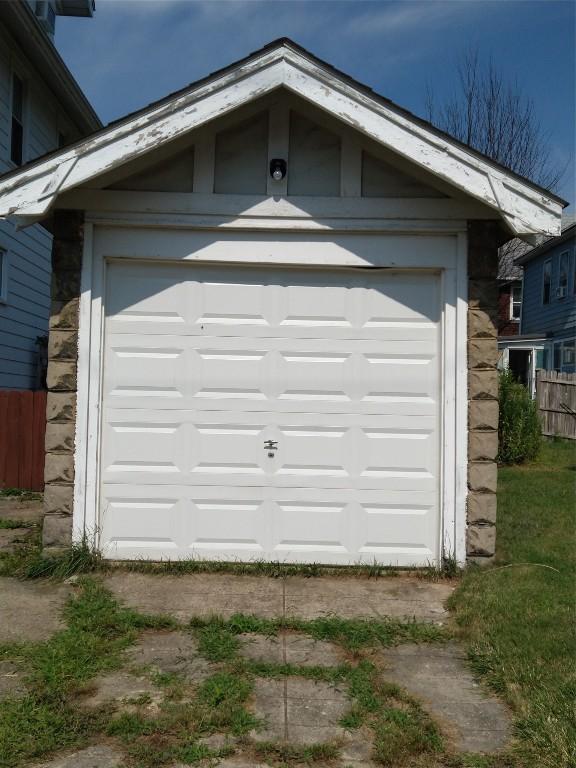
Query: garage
(274, 413)
(272, 331)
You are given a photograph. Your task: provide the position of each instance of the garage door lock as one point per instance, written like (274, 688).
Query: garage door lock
(270, 446)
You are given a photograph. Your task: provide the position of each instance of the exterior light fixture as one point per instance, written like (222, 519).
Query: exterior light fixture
(277, 169)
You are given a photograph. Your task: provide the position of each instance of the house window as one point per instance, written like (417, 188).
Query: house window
(563, 275)
(557, 357)
(46, 15)
(547, 281)
(3, 276)
(17, 135)
(565, 356)
(568, 355)
(515, 302)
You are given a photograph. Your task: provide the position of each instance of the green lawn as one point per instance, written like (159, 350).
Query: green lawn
(519, 621)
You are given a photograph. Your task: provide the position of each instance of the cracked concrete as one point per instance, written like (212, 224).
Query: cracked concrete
(290, 648)
(96, 756)
(403, 597)
(299, 711)
(30, 611)
(170, 653)
(473, 719)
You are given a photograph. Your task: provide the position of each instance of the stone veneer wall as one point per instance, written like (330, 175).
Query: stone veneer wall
(68, 230)
(484, 239)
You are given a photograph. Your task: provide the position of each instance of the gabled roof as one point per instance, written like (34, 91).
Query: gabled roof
(28, 193)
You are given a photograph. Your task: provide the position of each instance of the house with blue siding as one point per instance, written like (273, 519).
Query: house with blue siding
(548, 314)
(42, 108)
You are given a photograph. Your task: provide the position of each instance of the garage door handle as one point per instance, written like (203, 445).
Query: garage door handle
(270, 446)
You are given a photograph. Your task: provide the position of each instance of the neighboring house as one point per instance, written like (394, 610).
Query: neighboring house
(512, 349)
(284, 347)
(510, 288)
(548, 317)
(41, 109)
(509, 305)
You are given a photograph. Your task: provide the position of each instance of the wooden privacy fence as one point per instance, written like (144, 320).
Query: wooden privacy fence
(556, 397)
(22, 429)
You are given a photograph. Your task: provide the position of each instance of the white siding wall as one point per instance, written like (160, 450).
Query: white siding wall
(24, 316)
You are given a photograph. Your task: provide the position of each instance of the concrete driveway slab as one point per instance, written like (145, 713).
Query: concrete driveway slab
(473, 719)
(30, 611)
(299, 711)
(198, 594)
(9, 537)
(170, 653)
(404, 598)
(290, 648)
(11, 682)
(122, 689)
(11, 508)
(97, 756)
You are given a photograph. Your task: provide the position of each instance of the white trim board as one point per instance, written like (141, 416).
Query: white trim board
(523, 207)
(276, 208)
(437, 252)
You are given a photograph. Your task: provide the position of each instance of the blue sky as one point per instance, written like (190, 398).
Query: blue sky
(136, 51)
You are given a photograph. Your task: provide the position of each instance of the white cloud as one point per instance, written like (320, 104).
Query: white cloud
(401, 17)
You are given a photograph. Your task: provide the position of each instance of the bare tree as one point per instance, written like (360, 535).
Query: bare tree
(494, 116)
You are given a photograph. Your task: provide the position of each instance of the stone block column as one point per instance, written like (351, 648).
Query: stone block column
(484, 239)
(68, 231)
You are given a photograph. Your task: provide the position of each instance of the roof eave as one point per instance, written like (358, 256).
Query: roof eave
(551, 242)
(24, 26)
(525, 209)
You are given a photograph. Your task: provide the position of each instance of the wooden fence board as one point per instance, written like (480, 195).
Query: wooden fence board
(12, 434)
(3, 436)
(556, 397)
(24, 444)
(22, 432)
(38, 434)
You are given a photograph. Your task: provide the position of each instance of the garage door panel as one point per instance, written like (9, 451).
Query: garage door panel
(215, 301)
(194, 449)
(149, 523)
(269, 373)
(382, 330)
(240, 525)
(339, 526)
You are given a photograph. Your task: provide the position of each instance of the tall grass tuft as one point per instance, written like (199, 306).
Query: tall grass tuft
(79, 558)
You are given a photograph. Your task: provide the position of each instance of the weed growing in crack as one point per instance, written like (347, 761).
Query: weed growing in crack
(216, 642)
(352, 634)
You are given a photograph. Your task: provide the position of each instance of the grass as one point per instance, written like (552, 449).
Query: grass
(31, 563)
(290, 754)
(28, 562)
(19, 495)
(11, 524)
(518, 621)
(351, 634)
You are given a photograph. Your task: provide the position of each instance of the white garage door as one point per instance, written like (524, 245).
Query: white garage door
(271, 413)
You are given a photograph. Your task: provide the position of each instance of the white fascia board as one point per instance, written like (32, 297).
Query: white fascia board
(525, 210)
(131, 140)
